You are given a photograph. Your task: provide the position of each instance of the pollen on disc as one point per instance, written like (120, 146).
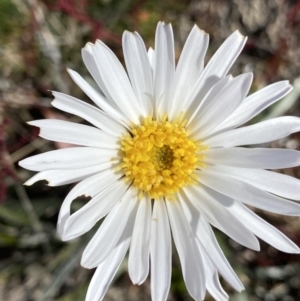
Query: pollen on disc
(159, 158)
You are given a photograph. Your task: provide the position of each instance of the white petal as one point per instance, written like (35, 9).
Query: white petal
(160, 252)
(110, 231)
(138, 262)
(189, 68)
(248, 194)
(263, 230)
(212, 278)
(220, 63)
(96, 97)
(190, 258)
(261, 132)
(201, 104)
(90, 62)
(209, 243)
(86, 217)
(214, 213)
(106, 271)
(255, 103)
(88, 187)
(63, 177)
(116, 81)
(151, 57)
(74, 133)
(139, 70)
(262, 158)
(164, 70)
(279, 184)
(93, 115)
(68, 158)
(221, 106)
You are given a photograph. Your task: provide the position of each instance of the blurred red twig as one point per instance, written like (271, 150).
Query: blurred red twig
(78, 10)
(293, 13)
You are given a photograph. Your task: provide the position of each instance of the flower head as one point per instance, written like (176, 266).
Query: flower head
(166, 155)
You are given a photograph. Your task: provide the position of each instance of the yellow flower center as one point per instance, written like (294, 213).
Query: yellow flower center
(159, 158)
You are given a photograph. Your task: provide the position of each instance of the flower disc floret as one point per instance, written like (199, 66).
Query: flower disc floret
(159, 158)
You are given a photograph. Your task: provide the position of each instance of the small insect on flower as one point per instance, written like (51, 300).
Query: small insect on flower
(166, 155)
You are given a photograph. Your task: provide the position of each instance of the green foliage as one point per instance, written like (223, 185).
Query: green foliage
(10, 20)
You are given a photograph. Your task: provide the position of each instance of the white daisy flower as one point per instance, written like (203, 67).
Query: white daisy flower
(165, 155)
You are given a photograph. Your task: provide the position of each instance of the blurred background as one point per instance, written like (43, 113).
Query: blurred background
(39, 40)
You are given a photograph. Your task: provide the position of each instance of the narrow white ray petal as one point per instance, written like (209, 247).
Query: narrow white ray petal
(86, 217)
(215, 215)
(110, 231)
(90, 113)
(63, 177)
(261, 158)
(248, 194)
(138, 262)
(190, 66)
(215, 288)
(192, 265)
(68, 158)
(116, 81)
(90, 62)
(88, 187)
(151, 57)
(74, 133)
(160, 252)
(107, 269)
(139, 70)
(96, 97)
(261, 132)
(255, 103)
(212, 278)
(220, 63)
(263, 230)
(201, 104)
(221, 106)
(279, 184)
(164, 70)
(209, 243)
